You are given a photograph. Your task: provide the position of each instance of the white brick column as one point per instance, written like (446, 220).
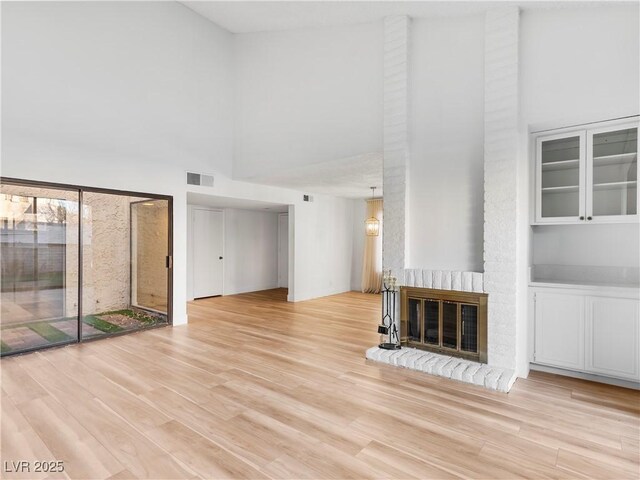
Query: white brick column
(396, 142)
(501, 182)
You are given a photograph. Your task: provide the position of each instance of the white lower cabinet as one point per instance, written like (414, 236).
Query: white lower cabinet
(587, 333)
(560, 330)
(612, 337)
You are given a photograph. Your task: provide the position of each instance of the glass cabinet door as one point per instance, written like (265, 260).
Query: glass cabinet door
(612, 172)
(560, 177)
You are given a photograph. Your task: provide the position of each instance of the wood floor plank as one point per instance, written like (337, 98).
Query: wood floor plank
(83, 456)
(588, 466)
(132, 449)
(202, 455)
(398, 464)
(20, 442)
(255, 387)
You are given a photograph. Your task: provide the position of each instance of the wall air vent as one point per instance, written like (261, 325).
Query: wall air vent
(199, 179)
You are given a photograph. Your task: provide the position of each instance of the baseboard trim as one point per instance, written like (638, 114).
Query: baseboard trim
(586, 376)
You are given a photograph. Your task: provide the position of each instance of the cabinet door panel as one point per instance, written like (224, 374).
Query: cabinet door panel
(560, 178)
(612, 337)
(559, 330)
(612, 172)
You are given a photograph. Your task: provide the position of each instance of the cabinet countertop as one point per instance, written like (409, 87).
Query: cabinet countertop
(583, 285)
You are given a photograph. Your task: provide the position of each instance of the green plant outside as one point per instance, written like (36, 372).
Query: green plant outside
(100, 324)
(4, 348)
(131, 314)
(51, 334)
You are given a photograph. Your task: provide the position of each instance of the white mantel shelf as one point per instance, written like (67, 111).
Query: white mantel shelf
(480, 374)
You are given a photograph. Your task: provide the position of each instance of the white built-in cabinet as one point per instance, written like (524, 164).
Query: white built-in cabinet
(587, 174)
(612, 337)
(587, 332)
(559, 330)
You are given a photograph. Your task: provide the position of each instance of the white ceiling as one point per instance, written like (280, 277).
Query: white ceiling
(226, 202)
(264, 16)
(349, 177)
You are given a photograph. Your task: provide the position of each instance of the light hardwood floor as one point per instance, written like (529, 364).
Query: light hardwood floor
(255, 387)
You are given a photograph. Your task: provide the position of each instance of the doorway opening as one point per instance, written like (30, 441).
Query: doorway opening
(237, 246)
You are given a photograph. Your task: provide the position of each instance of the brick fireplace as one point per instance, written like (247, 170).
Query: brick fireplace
(503, 277)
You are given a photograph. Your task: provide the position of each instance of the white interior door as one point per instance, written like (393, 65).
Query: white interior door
(283, 251)
(207, 253)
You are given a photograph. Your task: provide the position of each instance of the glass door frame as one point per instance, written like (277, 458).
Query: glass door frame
(80, 189)
(168, 259)
(610, 127)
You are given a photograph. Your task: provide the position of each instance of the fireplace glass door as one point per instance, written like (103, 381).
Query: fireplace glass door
(432, 322)
(469, 328)
(449, 322)
(450, 325)
(415, 319)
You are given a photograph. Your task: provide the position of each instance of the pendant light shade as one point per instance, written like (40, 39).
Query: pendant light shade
(372, 224)
(372, 227)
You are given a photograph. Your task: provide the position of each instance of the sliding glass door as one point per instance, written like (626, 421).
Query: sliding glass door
(149, 254)
(56, 289)
(125, 245)
(39, 267)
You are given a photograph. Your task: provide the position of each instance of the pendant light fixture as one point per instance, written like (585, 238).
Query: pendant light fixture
(372, 224)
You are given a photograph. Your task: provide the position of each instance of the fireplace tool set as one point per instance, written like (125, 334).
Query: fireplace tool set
(388, 326)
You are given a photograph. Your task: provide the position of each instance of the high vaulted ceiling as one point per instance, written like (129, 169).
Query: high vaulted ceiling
(246, 17)
(265, 16)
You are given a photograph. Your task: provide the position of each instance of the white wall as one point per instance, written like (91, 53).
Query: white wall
(323, 237)
(577, 64)
(359, 217)
(320, 235)
(305, 97)
(581, 65)
(587, 245)
(150, 80)
(116, 95)
(446, 130)
(323, 261)
(129, 95)
(250, 251)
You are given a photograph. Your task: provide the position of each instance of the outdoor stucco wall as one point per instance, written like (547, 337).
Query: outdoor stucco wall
(106, 253)
(150, 225)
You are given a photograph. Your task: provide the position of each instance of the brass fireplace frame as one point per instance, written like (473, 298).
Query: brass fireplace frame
(467, 298)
